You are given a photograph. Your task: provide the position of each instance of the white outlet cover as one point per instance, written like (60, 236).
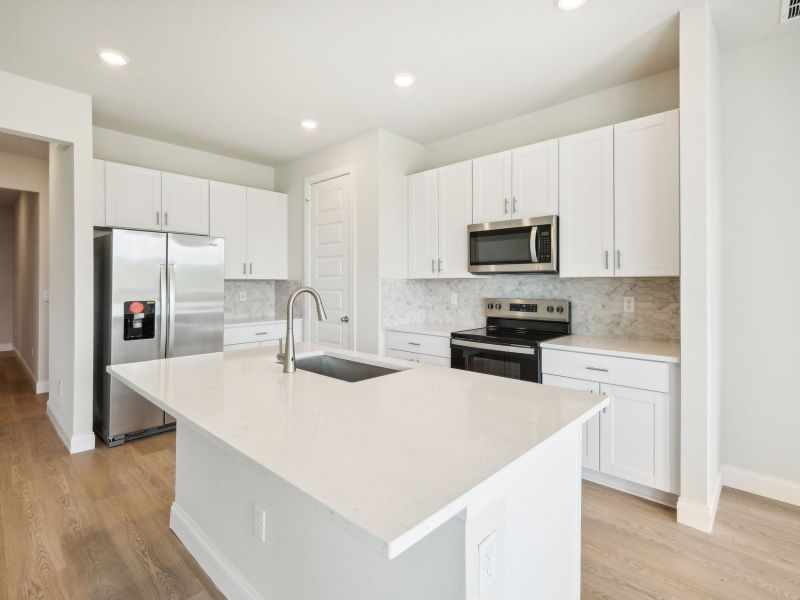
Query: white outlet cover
(260, 523)
(454, 299)
(628, 304)
(242, 296)
(487, 561)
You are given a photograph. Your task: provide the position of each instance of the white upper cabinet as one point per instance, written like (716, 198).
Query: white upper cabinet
(534, 180)
(99, 213)
(133, 197)
(228, 220)
(455, 215)
(491, 188)
(267, 235)
(423, 215)
(646, 196)
(184, 204)
(586, 204)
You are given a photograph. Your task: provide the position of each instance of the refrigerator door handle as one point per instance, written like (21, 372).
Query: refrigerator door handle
(171, 325)
(162, 290)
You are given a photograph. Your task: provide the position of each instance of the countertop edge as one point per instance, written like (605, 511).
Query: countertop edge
(664, 358)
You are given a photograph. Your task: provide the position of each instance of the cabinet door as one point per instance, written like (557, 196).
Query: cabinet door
(228, 220)
(491, 188)
(591, 428)
(586, 203)
(646, 196)
(267, 235)
(423, 224)
(99, 189)
(634, 436)
(184, 204)
(534, 181)
(455, 215)
(133, 197)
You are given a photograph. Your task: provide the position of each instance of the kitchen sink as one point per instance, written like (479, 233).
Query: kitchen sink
(341, 368)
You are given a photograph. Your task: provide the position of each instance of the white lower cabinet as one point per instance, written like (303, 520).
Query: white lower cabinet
(421, 348)
(243, 336)
(636, 438)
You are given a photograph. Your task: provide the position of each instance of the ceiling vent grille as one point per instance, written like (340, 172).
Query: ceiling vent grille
(790, 9)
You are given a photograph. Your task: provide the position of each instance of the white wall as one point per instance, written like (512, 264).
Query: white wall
(361, 154)
(6, 277)
(647, 96)
(700, 299)
(47, 112)
(144, 152)
(26, 283)
(761, 278)
(31, 174)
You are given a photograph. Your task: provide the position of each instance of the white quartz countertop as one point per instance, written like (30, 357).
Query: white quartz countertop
(669, 352)
(394, 457)
(438, 329)
(249, 321)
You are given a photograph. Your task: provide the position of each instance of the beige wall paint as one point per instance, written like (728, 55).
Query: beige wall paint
(31, 174)
(6, 276)
(631, 100)
(26, 283)
(144, 152)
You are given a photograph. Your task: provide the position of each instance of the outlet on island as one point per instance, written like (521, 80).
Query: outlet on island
(628, 304)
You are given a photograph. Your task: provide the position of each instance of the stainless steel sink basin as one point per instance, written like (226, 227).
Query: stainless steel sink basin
(341, 368)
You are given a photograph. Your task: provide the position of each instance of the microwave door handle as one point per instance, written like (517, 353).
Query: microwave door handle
(534, 253)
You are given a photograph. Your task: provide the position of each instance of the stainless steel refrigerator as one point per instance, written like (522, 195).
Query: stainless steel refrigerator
(157, 295)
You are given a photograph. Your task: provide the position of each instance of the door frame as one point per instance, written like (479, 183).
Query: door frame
(345, 170)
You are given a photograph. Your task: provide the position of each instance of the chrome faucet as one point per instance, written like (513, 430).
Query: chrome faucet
(287, 356)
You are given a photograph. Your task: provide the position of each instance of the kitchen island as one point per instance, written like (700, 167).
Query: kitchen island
(423, 483)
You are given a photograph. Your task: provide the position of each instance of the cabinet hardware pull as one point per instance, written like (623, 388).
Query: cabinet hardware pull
(158, 217)
(619, 259)
(166, 219)
(514, 204)
(251, 268)
(606, 260)
(262, 332)
(506, 209)
(244, 268)
(433, 265)
(345, 319)
(440, 265)
(597, 369)
(414, 344)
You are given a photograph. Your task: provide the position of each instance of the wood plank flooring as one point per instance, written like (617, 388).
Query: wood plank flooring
(96, 525)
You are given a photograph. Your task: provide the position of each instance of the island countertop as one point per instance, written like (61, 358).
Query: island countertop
(394, 457)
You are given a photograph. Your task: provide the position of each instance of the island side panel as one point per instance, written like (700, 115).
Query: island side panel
(308, 553)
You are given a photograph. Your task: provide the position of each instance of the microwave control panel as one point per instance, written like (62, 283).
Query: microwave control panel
(544, 249)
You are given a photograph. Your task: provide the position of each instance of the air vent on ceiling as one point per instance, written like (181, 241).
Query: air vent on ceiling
(790, 9)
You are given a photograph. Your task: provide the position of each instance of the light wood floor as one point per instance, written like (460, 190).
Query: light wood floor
(96, 525)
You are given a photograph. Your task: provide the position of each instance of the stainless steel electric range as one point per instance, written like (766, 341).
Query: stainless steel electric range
(509, 344)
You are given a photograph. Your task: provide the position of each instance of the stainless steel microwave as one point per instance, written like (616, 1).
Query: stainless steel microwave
(520, 246)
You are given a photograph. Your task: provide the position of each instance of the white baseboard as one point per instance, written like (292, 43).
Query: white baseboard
(6, 347)
(635, 489)
(769, 486)
(222, 572)
(73, 443)
(28, 371)
(42, 387)
(697, 515)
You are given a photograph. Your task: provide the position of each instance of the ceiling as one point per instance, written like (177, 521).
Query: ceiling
(15, 144)
(236, 78)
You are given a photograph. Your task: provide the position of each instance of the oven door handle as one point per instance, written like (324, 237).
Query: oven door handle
(534, 253)
(495, 347)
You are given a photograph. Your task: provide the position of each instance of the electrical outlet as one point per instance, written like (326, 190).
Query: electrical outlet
(628, 304)
(487, 561)
(242, 296)
(46, 296)
(454, 299)
(260, 523)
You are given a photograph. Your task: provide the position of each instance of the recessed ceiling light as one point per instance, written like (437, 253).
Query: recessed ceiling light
(113, 57)
(404, 79)
(570, 4)
(308, 124)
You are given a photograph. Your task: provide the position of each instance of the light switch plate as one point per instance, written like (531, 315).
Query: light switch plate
(628, 304)
(454, 299)
(260, 523)
(487, 561)
(242, 296)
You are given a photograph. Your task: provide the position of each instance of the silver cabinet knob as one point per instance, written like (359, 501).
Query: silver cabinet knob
(345, 319)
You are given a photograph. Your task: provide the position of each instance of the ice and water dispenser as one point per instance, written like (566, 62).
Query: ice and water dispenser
(140, 320)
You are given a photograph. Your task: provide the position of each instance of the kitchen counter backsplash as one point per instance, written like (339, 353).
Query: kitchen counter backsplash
(260, 302)
(596, 302)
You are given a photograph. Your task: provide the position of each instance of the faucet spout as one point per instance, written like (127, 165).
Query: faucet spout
(287, 356)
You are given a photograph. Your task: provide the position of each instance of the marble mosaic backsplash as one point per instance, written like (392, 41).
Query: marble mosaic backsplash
(596, 303)
(260, 302)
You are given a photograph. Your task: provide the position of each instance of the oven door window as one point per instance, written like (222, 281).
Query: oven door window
(496, 362)
(500, 247)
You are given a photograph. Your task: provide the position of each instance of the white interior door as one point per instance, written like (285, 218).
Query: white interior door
(329, 260)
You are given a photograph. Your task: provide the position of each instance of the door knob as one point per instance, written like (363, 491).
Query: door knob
(345, 319)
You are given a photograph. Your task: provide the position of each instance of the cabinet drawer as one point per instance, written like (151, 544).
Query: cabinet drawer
(243, 334)
(402, 354)
(423, 344)
(631, 372)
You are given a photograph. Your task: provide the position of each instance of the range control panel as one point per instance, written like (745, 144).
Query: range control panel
(517, 308)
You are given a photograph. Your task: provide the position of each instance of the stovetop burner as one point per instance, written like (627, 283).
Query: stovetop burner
(506, 335)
